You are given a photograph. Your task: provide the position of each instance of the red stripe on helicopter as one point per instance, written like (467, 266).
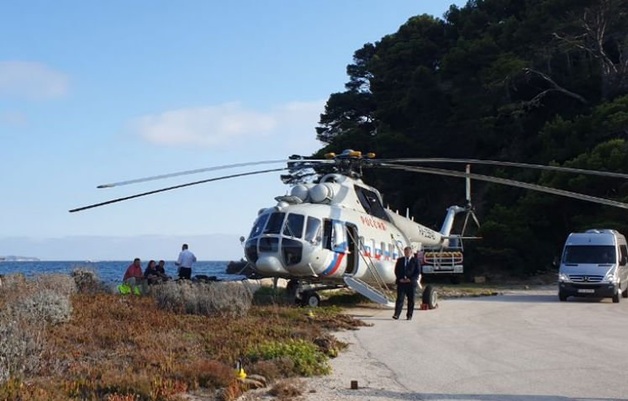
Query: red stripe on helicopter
(334, 265)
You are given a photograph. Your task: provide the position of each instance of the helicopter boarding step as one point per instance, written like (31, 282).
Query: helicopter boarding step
(371, 293)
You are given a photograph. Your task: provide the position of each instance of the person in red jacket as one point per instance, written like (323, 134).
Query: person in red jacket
(134, 276)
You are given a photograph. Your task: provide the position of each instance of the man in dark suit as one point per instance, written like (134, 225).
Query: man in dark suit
(407, 271)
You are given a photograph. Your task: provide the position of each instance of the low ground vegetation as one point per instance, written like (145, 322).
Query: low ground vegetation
(72, 338)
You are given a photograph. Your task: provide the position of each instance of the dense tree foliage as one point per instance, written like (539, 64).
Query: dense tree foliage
(537, 81)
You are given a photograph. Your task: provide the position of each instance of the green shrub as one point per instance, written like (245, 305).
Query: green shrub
(62, 284)
(308, 359)
(87, 281)
(20, 349)
(30, 305)
(232, 299)
(46, 306)
(266, 295)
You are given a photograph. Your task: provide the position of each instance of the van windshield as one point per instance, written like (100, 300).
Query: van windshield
(589, 254)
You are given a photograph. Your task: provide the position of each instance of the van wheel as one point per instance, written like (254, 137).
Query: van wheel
(616, 297)
(429, 297)
(561, 296)
(624, 293)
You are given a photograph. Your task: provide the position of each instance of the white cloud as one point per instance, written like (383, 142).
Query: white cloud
(214, 126)
(30, 80)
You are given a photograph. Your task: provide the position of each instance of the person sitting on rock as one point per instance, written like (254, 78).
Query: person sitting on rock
(161, 270)
(134, 278)
(152, 274)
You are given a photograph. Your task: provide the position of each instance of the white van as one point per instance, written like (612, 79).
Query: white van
(594, 265)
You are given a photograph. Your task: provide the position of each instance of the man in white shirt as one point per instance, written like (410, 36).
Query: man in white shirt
(184, 262)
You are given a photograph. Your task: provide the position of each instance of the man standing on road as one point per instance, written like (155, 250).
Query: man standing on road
(407, 271)
(184, 262)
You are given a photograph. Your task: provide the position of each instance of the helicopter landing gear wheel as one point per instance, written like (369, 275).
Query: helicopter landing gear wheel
(291, 291)
(311, 299)
(429, 297)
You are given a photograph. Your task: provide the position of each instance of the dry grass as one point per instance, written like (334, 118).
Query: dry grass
(117, 348)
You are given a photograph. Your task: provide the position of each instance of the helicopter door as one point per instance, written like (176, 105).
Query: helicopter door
(339, 241)
(352, 248)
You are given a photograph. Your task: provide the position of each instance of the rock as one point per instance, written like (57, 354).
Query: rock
(250, 384)
(241, 267)
(258, 378)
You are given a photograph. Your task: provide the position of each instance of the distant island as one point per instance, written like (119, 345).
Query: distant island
(13, 258)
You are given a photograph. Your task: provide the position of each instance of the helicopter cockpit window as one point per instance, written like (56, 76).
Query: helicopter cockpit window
(313, 230)
(274, 223)
(294, 225)
(371, 203)
(259, 225)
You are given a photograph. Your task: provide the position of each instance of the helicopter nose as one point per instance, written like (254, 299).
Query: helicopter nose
(270, 265)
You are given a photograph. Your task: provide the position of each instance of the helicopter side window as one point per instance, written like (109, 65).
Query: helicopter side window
(259, 225)
(294, 225)
(313, 230)
(274, 223)
(371, 203)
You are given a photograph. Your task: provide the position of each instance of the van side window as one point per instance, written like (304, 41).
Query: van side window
(624, 254)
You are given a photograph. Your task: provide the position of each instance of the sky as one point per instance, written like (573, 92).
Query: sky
(94, 92)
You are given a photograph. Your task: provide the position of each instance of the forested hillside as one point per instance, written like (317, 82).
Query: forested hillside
(535, 81)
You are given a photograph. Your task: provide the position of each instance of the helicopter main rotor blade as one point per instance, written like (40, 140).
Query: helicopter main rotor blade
(204, 170)
(475, 218)
(507, 164)
(468, 185)
(505, 181)
(464, 225)
(224, 177)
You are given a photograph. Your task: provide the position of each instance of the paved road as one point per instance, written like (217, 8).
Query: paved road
(521, 346)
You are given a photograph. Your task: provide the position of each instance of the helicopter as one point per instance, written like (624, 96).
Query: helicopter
(332, 230)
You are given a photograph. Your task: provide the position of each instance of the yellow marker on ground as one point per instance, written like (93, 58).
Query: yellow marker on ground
(240, 371)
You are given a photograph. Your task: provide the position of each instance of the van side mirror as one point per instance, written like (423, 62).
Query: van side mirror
(623, 260)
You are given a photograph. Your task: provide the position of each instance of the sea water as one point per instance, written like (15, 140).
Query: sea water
(111, 271)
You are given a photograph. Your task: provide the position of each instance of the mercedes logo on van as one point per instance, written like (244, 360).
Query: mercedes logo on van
(585, 278)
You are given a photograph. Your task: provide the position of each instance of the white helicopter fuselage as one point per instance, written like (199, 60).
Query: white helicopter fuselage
(322, 232)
